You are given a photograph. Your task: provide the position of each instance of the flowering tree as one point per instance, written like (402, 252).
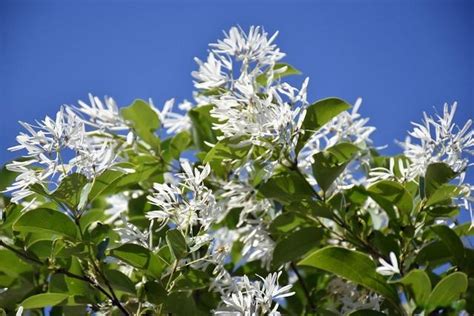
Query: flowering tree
(250, 200)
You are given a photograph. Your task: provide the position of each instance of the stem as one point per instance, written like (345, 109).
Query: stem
(87, 279)
(303, 285)
(113, 297)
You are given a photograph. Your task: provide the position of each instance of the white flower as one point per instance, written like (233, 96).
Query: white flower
(186, 204)
(349, 297)
(388, 268)
(254, 298)
(130, 233)
(390, 173)
(174, 122)
(209, 75)
(439, 140)
(118, 205)
(252, 47)
(47, 145)
(258, 245)
(104, 115)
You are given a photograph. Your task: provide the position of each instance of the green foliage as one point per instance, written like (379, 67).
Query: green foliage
(329, 164)
(255, 197)
(45, 220)
(318, 114)
(353, 266)
(144, 121)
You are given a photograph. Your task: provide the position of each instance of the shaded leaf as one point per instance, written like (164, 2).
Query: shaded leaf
(329, 164)
(353, 266)
(296, 244)
(448, 290)
(43, 300)
(318, 114)
(48, 221)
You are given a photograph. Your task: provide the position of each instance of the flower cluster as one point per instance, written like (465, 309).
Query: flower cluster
(51, 142)
(179, 212)
(251, 298)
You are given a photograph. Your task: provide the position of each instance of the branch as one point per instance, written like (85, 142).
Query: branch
(87, 279)
(303, 285)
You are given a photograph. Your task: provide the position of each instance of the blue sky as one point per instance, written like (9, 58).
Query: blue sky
(401, 57)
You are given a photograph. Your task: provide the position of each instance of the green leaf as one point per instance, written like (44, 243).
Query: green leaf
(286, 186)
(329, 164)
(202, 131)
(286, 222)
(452, 242)
(447, 291)
(140, 258)
(290, 70)
(120, 281)
(296, 244)
(433, 254)
(436, 175)
(43, 300)
(180, 304)
(177, 243)
(191, 280)
(6, 178)
(390, 194)
(353, 266)
(104, 183)
(418, 284)
(366, 312)
(175, 145)
(144, 120)
(443, 195)
(69, 191)
(318, 114)
(46, 220)
(312, 208)
(229, 149)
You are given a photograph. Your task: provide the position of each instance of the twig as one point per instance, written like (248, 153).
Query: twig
(303, 285)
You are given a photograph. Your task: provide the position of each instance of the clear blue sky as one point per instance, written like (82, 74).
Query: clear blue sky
(402, 57)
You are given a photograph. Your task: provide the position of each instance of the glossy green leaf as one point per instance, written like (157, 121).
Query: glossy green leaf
(70, 189)
(390, 194)
(140, 258)
(296, 244)
(286, 222)
(202, 131)
(418, 284)
(191, 280)
(443, 195)
(317, 115)
(48, 221)
(329, 164)
(286, 186)
(177, 243)
(366, 312)
(448, 290)
(43, 300)
(120, 281)
(144, 120)
(227, 148)
(353, 266)
(452, 242)
(436, 175)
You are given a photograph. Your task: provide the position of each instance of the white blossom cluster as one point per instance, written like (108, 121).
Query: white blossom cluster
(252, 298)
(238, 79)
(187, 204)
(58, 147)
(349, 297)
